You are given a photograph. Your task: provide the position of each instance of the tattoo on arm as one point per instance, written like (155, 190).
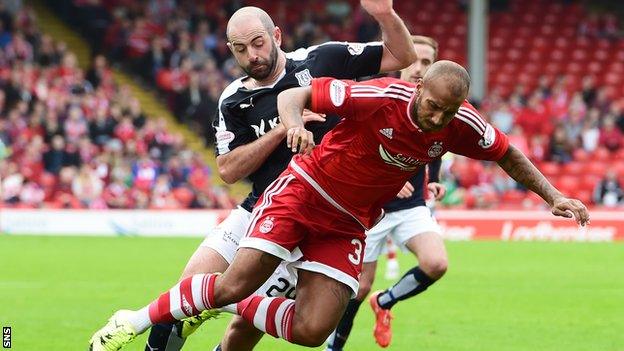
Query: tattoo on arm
(518, 166)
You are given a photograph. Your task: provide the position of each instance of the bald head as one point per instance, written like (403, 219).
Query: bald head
(248, 15)
(454, 76)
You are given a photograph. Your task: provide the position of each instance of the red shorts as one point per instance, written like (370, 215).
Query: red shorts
(291, 216)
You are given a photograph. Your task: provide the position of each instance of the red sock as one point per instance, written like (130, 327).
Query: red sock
(187, 298)
(273, 315)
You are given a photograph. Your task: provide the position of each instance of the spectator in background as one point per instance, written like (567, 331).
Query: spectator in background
(560, 148)
(87, 187)
(502, 117)
(589, 90)
(609, 191)
(590, 135)
(56, 158)
(610, 136)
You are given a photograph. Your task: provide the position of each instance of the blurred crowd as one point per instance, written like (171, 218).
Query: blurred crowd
(179, 46)
(76, 140)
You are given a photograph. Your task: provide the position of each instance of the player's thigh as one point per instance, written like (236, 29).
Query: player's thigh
(320, 304)
(240, 335)
(219, 247)
(428, 247)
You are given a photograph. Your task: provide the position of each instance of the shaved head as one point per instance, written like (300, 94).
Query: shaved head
(454, 76)
(254, 40)
(250, 13)
(443, 90)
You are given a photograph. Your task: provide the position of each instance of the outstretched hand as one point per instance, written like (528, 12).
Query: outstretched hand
(571, 208)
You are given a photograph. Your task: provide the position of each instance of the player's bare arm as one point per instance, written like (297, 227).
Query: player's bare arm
(398, 50)
(518, 166)
(244, 160)
(290, 105)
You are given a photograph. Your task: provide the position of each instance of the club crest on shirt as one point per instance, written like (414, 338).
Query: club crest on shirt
(304, 78)
(435, 150)
(266, 225)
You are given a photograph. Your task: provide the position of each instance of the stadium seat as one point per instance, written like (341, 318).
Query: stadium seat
(601, 154)
(597, 167)
(549, 169)
(573, 168)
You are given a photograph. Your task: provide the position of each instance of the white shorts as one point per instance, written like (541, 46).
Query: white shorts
(400, 226)
(224, 239)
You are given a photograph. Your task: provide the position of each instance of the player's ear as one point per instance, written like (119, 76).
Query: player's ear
(419, 85)
(277, 36)
(230, 46)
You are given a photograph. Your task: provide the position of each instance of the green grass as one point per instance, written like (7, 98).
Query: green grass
(56, 291)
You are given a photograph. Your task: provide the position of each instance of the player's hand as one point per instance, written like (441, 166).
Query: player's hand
(377, 7)
(406, 191)
(571, 208)
(438, 190)
(309, 116)
(300, 140)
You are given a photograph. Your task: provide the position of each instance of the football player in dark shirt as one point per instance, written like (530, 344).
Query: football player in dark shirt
(250, 139)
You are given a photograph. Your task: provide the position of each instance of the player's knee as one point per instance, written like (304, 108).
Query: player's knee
(311, 334)
(226, 294)
(364, 289)
(434, 267)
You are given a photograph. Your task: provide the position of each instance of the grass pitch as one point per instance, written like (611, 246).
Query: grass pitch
(56, 291)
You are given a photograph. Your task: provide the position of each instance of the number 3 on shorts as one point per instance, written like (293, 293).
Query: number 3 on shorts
(356, 256)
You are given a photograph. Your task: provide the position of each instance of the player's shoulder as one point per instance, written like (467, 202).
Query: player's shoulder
(469, 117)
(386, 87)
(230, 90)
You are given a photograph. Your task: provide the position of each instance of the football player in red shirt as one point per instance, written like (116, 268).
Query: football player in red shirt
(322, 203)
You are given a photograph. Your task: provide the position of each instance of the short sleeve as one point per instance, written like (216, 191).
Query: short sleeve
(477, 138)
(350, 60)
(344, 98)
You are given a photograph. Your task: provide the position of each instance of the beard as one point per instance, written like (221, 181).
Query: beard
(269, 66)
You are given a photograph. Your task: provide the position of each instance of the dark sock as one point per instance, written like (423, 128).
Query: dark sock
(339, 337)
(164, 337)
(411, 284)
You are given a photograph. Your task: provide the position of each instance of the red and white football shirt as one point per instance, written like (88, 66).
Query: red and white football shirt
(366, 159)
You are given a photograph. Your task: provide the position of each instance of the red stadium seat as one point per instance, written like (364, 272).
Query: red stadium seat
(597, 168)
(580, 155)
(588, 182)
(567, 184)
(550, 169)
(573, 168)
(601, 154)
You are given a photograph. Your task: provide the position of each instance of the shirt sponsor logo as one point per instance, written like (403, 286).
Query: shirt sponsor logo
(387, 132)
(304, 77)
(355, 48)
(261, 129)
(224, 136)
(488, 137)
(405, 163)
(435, 150)
(337, 92)
(266, 225)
